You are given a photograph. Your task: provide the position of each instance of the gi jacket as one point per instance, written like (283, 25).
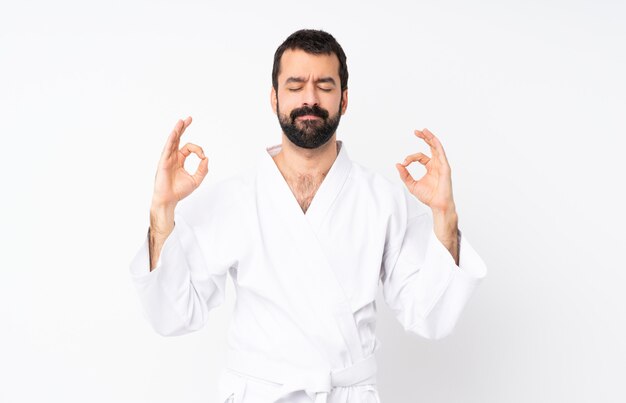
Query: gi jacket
(306, 284)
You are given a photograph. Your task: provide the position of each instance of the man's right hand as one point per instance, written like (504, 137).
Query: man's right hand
(172, 184)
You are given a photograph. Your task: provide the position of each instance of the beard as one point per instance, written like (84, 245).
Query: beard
(309, 133)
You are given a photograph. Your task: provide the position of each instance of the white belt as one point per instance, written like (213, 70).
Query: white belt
(316, 382)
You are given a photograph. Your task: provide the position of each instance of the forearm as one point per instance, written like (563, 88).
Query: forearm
(446, 228)
(161, 226)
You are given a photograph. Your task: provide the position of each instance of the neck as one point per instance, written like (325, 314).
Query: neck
(294, 161)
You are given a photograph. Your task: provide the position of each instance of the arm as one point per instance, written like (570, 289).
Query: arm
(172, 279)
(446, 228)
(422, 283)
(422, 279)
(185, 283)
(161, 226)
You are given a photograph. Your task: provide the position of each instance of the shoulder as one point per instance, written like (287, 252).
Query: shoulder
(216, 200)
(364, 176)
(385, 192)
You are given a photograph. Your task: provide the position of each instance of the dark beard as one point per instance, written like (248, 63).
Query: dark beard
(311, 133)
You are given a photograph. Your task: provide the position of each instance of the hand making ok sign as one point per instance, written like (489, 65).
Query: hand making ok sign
(434, 188)
(172, 182)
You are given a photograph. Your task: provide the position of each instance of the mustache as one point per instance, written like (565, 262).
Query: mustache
(309, 110)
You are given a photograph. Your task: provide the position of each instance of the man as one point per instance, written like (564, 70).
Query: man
(306, 239)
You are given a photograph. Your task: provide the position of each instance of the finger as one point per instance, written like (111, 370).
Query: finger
(192, 148)
(419, 157)
(202, 171)
(429, 140)
(171, 145)
(180, 129)
(437, 145)
(405, 175)
(177, 132)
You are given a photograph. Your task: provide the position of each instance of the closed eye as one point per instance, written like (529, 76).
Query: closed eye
(299, 88)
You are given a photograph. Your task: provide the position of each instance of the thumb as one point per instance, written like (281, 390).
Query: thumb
(405, 175)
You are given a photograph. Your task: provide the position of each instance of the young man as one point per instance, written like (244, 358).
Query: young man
(306, 238)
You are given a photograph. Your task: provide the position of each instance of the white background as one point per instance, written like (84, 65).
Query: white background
(527, 97)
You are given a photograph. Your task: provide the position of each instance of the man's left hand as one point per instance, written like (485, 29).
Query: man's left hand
(434, 189)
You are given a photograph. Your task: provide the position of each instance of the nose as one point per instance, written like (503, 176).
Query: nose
(310, 96)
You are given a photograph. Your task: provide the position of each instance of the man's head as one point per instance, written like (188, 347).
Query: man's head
(309, 87)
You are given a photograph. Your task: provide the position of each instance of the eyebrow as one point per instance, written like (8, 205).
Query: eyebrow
(302, 80)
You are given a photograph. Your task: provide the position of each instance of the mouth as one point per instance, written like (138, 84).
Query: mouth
(308, 117)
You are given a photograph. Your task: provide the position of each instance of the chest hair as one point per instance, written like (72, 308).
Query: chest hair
(304, 188)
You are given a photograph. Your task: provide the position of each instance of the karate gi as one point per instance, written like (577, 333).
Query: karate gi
(303, 324)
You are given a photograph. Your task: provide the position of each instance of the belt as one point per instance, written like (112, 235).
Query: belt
(315, 382)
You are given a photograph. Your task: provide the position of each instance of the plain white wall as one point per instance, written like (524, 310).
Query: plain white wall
(527, 97)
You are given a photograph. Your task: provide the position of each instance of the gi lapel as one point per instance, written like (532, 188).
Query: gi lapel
(330, 188)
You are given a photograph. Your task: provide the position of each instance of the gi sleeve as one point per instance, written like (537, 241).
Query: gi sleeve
(422, 285)
(178, 293)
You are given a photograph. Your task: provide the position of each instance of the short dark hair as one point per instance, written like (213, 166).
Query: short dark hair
(315, 42)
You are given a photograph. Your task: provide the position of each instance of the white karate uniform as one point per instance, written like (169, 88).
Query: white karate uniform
(303, 324)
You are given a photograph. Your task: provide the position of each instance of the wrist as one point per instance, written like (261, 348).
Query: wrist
(444, 210)
(162, 218)
(446, 225)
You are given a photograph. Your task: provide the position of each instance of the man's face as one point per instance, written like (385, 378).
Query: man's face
(309, 102)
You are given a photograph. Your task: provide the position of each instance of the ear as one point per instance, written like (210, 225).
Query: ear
(344, 101)
(273, 99)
